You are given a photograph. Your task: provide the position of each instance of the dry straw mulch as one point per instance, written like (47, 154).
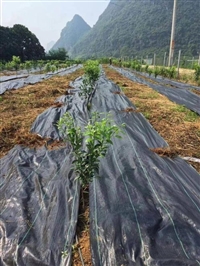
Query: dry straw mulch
(19, 109)
(180, 128)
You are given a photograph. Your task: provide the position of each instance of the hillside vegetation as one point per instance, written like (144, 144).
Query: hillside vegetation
(142, 27)
(72, 33)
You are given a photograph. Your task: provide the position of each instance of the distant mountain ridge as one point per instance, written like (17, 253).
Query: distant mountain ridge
(49, 46)
(133, 27)
(72, 33)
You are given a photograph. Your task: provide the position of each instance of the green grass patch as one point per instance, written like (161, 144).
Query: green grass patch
(198, 133)
(190, 116)
(147, 115)
(150, 95)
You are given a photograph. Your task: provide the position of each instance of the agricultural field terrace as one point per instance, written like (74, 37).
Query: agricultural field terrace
(142, 203)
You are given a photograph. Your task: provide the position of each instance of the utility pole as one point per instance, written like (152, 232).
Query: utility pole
(164, 62)
(179, 59)
(172, 42)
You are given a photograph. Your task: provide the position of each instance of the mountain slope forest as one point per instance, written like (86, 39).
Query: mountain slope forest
(19, 41)
(71, 34)
(132, 27)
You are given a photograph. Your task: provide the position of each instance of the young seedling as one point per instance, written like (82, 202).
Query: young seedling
(88, 144)
(28, 66)
(16, 62)
(92, 71)
(197, 72)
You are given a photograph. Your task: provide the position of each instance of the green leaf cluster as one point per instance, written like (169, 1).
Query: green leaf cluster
(91, 75)
(88, 144)
(197, 72)
(92, 70)
(57, 54)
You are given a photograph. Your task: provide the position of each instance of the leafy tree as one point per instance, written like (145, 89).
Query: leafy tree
(59, 54)
(19, 41)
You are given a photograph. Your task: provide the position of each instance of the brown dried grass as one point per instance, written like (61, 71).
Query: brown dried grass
(19, 109)
(182, 136)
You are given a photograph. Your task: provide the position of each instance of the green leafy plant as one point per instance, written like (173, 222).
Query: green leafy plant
(86, 87)
(156, 71)
(163, 72)
(53, 68)
(92, 72)
(47, 67)
(88, 144)
(146, 68)
(40, 64)
(147, 115)
(190, 116)
(16, 62)
(34, 64)
(9, 66)
(150, 71)
(28, 66)
(197, 72)
(126, 64)
(136, 65)
(171, 72)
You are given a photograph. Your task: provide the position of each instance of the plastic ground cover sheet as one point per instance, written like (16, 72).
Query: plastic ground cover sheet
(136, 124)
(45, 123)
(17, 82)
(144, 209)
(179, 95)
(131, 212)
(166, 81)
(39, 201)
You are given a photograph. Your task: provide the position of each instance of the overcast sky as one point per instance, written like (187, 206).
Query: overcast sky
(46, 19)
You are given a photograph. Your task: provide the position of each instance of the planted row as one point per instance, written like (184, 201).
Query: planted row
(45, 65)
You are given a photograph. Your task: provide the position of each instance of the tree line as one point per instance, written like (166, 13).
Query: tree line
(21, 42)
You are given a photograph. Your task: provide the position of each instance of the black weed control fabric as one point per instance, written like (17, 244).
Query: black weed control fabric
(166, 81)
(178, 95)
(144, 209)
(39, 201)
(137, 125)
(12, 77)
(21, 81)
(45, 124)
